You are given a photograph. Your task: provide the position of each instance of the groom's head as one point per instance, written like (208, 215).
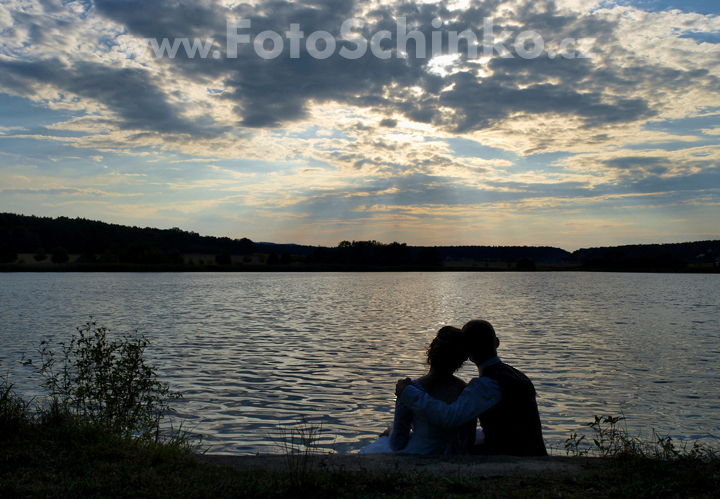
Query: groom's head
(481, 341)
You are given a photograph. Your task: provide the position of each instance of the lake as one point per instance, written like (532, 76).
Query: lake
(253, 353)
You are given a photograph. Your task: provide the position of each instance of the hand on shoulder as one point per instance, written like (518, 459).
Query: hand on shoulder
(401, 385)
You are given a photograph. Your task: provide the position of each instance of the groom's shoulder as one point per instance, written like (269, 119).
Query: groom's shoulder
(505, 373)
(480, 382)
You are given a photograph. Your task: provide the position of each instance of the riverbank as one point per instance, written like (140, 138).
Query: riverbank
(437, 466)
(56, 456)
(94, 466)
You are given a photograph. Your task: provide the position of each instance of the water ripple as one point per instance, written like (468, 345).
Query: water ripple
(255, 352)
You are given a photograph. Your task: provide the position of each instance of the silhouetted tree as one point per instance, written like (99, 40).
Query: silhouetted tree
(273, 259)
(365, 253)
(285, 258)
(245, 246)
(40, 255)
(60, 255)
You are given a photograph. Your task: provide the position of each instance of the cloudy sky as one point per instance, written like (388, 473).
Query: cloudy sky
(587, 123)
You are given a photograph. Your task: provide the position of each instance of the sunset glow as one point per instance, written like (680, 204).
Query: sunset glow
(619, 147)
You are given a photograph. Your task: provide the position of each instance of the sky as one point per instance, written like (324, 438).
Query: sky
(573, 123)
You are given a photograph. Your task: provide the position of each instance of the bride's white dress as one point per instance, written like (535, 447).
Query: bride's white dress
(411, 434)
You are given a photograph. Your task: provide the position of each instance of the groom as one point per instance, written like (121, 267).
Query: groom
(502, 397)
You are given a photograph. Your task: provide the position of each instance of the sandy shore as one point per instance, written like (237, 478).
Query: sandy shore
(475, 466)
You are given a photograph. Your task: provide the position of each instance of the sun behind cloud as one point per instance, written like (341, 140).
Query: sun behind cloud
(607, 135)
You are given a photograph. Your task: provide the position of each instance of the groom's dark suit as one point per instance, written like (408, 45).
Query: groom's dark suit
(512, 426)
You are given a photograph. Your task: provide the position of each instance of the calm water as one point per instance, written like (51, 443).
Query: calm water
(253, 353)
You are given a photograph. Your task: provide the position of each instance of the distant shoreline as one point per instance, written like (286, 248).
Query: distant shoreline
(324, 268)
(62, 244)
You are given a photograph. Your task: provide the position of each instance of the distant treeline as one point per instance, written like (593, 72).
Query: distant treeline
(108, 243)
(540, 254)
(376, 254)
(100, 242)
(402, 254)
(649, 256)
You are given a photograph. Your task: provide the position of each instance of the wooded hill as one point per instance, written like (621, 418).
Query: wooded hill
(111, 243)
(639, 256)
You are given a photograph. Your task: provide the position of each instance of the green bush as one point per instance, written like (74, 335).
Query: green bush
(106, 382)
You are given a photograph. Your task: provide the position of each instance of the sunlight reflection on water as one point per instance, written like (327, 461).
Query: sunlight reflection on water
(253, 351)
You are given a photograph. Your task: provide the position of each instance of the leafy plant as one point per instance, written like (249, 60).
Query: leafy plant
(612, 440)
(608, 439)
(573, 443)
(107, 382)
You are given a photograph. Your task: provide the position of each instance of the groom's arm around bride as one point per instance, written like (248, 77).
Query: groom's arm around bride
(502, 397)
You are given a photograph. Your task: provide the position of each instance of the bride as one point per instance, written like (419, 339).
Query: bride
(445, 355)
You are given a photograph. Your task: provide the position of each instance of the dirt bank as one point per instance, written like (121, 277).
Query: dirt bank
(475, 466)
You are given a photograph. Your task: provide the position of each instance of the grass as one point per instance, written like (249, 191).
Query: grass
(653, 466)
(77, 461)
(51, 453)
(300, 445)
(55, 448)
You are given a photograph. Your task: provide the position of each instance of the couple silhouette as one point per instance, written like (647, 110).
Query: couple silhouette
(437, 413)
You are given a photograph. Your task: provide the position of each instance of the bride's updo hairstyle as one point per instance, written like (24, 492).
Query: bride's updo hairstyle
(447, 352)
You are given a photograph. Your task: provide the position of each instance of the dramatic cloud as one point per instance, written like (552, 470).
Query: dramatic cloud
(579, 109)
